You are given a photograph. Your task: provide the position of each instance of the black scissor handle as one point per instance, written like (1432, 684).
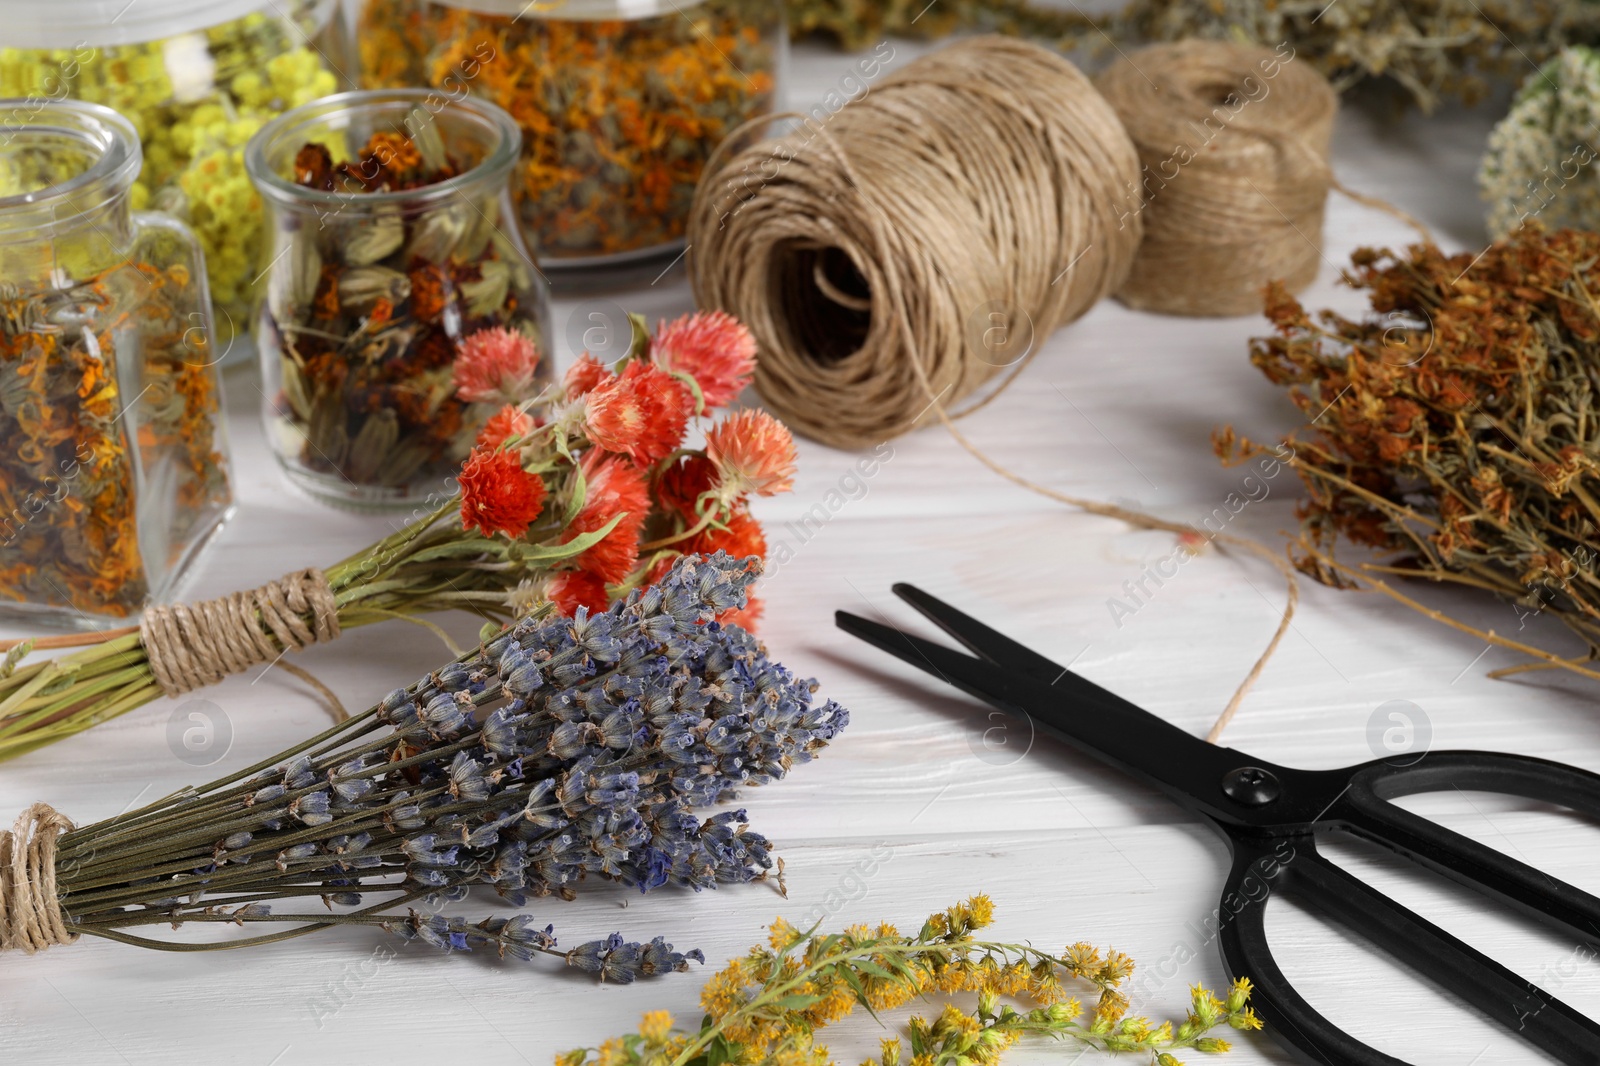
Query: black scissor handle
(1299, 873)
(1367, 811)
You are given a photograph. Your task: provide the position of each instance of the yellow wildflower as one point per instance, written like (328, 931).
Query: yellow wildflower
(655, 1026)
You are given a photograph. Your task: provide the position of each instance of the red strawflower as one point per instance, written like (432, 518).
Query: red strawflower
(586, 375)
(641, 414)
(747, 617)
(682, 484)
(753, 452)
(497, 495)
(712, 347)
(507, 422)
(741, 537)
(615, 486)
(571, 589)
(496, 364)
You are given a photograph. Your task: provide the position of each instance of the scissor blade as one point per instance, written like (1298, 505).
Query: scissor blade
(1085, 716)
(979, 639)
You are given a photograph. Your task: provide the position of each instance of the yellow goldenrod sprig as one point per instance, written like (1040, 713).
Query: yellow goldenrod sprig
(765, 1008)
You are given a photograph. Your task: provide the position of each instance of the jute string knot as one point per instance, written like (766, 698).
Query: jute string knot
(1233, 145)
(194, 645)
(30, 914)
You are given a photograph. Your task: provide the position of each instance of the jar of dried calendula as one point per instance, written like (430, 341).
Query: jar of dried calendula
(113, 470)
(196, 78)
(620, 102)
(390, 243)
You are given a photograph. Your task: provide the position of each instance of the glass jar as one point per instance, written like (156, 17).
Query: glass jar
(369, 289)
(196, 78)
(621, 102)
(113, 467)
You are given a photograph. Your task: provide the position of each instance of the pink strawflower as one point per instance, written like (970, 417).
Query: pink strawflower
(496, 365)
(712, 347)
(753, 452)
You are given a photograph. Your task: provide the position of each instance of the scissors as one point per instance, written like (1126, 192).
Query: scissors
(1271, 817)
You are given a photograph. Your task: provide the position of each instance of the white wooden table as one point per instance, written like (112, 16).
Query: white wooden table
(910, 809)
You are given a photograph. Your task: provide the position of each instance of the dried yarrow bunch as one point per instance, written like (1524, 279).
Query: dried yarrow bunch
(1540, 159)
(577, 495)
(560, 751)
(1433, 49)
(768, 1006)
(1456, 429)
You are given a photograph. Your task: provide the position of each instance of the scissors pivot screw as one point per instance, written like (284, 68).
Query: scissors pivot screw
(1251, 786)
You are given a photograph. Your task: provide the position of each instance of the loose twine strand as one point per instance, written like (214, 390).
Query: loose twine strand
(191, 646)
(987, 187)
(30, 912)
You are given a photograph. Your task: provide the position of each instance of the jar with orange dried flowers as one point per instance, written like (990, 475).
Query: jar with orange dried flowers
(621, 102)
(390, 243)
(112, 461)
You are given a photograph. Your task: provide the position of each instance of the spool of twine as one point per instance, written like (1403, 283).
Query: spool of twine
(1234, 176)
(962, 210)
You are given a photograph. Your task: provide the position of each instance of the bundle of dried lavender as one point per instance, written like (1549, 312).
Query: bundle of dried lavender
(1456, 429)
(563, 748)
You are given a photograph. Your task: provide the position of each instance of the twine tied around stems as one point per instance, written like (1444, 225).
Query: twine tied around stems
(30, 916)
(194, 645)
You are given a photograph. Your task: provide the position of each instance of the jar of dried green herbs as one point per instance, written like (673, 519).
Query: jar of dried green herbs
(620, 102)
(113, 467)
(389, 244)
(196, 78)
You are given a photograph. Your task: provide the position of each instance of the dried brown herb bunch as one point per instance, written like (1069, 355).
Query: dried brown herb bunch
(1456, 428)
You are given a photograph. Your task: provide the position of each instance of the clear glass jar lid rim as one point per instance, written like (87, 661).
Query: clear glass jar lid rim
(73, 24)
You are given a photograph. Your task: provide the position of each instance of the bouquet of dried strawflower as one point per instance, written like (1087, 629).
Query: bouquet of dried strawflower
(1456, 430)
(768, 1006)
(559, 750)
(578, 495)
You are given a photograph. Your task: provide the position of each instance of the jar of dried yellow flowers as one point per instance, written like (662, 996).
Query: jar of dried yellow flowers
(620, 102)
(391, 263)
(113, 470)
(196, 78)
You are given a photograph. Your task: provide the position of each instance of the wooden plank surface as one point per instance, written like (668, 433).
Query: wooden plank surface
(917, 804)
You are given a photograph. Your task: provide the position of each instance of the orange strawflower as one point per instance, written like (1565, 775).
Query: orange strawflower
(508, 422)
(753, 452)
(496, 364)
(571, 589)
(615, 486)
(642, 413)
(497, 495)
(682, 484)
(586, 375)
(712, 347)
(740, 537)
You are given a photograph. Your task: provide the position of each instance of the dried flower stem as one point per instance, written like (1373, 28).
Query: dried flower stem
(769, 1005)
